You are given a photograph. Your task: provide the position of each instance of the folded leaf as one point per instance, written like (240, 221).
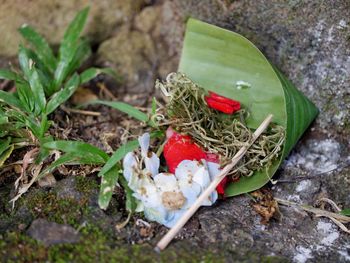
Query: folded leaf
(223, 61)
(64, 94)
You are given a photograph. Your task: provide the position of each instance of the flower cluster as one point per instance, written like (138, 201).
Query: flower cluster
(164, 197)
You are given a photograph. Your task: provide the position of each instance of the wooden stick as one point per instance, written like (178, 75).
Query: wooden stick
(189, 213)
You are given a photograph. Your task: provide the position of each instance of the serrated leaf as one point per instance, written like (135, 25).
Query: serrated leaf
(108, 183)
(123, 107)
(42, 48)
(64, 94)
(218, 59)
(81, 149)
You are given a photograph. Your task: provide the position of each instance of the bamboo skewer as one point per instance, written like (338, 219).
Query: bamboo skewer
(162, 244)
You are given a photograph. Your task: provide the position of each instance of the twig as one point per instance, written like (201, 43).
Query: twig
(194, 207)
(315, 175)
(318, 212)
(106, 91)
(84, 112)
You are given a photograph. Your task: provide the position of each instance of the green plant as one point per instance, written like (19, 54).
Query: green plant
(43, 82)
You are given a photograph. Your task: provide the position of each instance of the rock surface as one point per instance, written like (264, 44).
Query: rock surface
(51, 233)
(51, 18)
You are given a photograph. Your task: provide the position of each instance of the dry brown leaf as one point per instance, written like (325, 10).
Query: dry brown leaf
(265, 205)
(47, 181)
(83, 95)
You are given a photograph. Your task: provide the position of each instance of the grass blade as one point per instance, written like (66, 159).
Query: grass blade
(83, 52)
(64, 94)
(37, 98)
(130, 203)
(6, 154)
(8, 74)
(118, 155)
(42, 48)
(69, 47)
(108, 182)
(345, 212)
(91, 73)
(4, 144)
(80, 148)
(123, 107)
(11, 100)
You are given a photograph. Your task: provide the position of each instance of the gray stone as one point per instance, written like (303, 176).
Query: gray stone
(51, 233)
(51, 18)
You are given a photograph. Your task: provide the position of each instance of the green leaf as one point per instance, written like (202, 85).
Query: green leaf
(3, 120)
(123, 150)
(4, 144)
(38, 91)
(64, 94)
(345, 212)
(118, 155)
(82, 149)
(131, 202)
(6, 154)
(91, 73)
(69, 47)
(11, 100)
(37, 97)
(8, 74)
(83, 52)
(218, 59)
(25, 95)
(108, 183)
(123, 107)
(42, 48)
(66, 159)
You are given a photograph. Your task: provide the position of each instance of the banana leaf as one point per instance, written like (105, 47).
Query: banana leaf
(230, 65)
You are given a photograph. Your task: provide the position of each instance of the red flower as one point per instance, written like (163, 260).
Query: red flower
(223, 104)
(181, 147)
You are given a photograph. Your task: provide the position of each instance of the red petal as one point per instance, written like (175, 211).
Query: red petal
(222, 99)
(181, 147)
(223, 107)
(221, 187)
(221, 103)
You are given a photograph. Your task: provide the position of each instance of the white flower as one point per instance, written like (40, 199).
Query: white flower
(164, 197)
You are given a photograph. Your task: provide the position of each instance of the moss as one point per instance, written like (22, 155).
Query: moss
(85, 185)
(15, 247)
(48, 205)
